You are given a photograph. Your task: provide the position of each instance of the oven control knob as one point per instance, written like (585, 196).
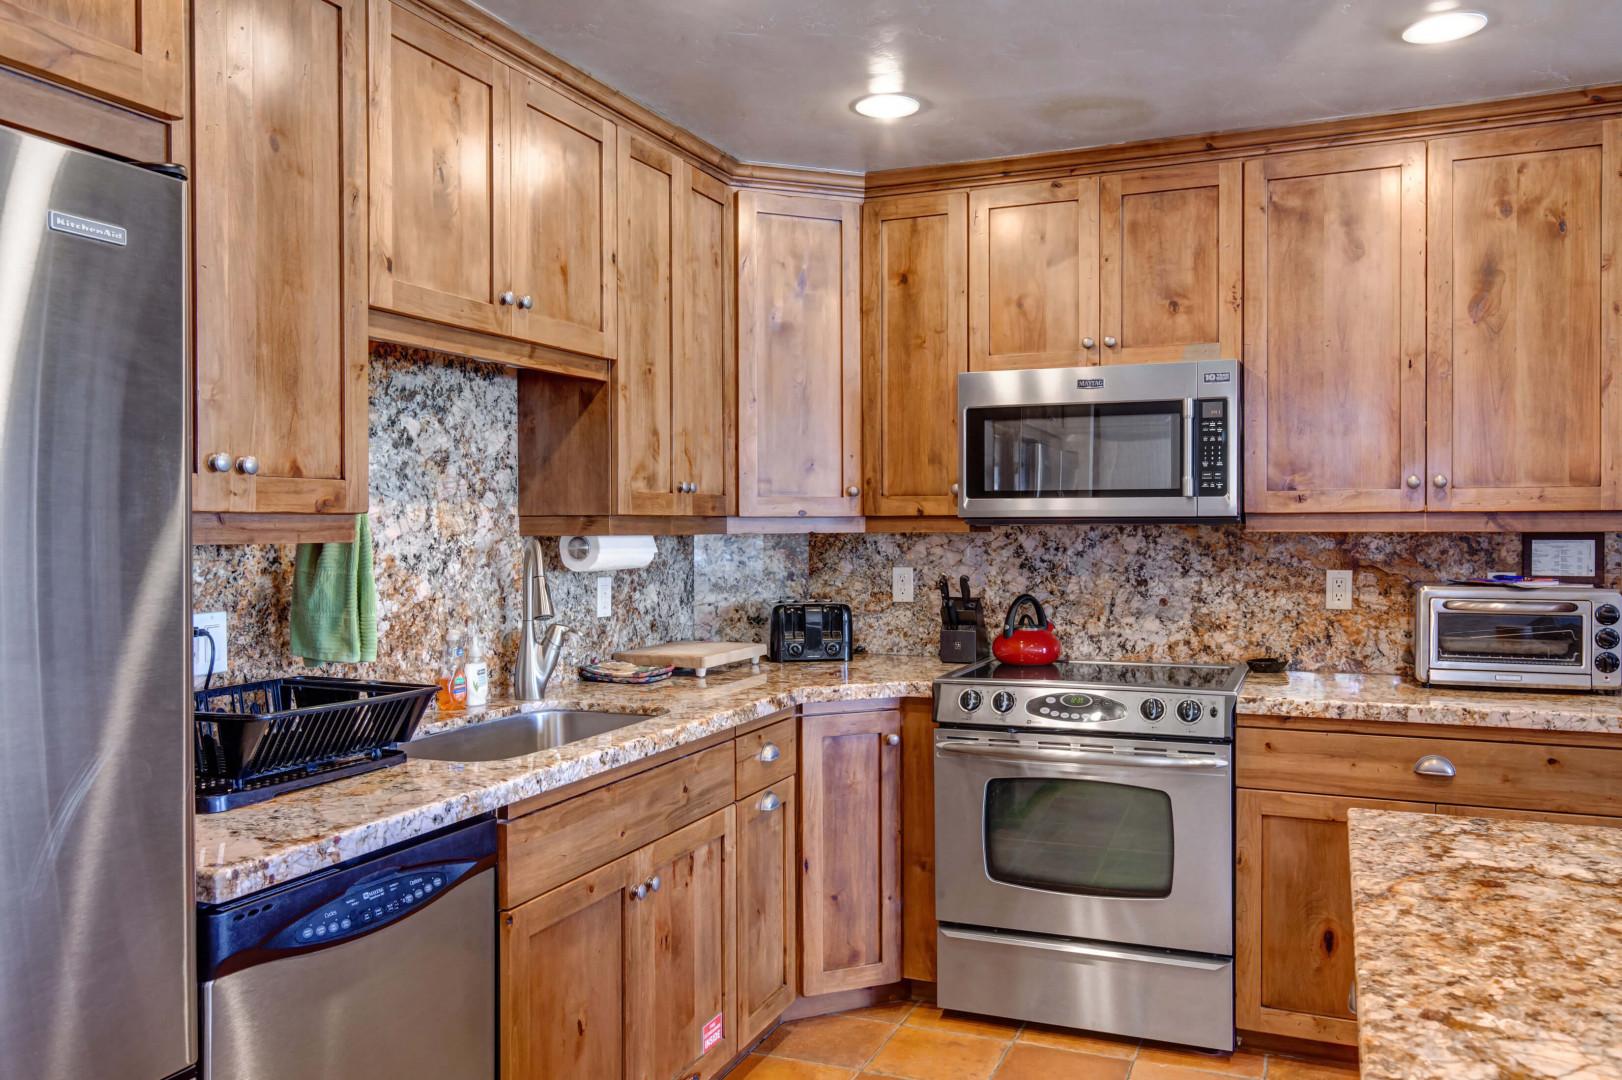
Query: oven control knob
(1607, 614)
(1189, 711)
(1607, 638)
(1606, 663)
(1152, 709)
(969, 700)
(1002, 701)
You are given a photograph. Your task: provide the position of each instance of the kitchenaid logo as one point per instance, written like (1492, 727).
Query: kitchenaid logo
(85, 227)
(1218, 376)
(1089, 384)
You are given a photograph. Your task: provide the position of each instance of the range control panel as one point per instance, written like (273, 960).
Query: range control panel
(1148, 712)
(1211, 446)
(367, 906)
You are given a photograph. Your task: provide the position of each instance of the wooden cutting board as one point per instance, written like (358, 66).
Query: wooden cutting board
(700, 656)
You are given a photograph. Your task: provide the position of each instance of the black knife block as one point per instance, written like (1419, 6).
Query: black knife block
(967, 645)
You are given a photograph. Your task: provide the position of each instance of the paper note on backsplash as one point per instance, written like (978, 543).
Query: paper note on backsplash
(1563, 558)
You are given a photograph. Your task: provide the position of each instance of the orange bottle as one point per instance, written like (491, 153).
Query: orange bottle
(452, 694)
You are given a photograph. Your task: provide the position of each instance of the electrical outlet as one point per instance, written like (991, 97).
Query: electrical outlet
(1338, 590)
(214, 623)
(605, 595)
(901, 584)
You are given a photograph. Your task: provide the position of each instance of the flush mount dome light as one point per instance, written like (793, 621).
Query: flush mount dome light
(1444, 26)
(886, 106)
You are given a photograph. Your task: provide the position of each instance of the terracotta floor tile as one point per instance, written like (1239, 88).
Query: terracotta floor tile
(1279, 1068)
(963, 1023)
(920, 1053)
(1027, 1061)
(1240, 1063)
(830, 1040)
(1154, 1070)
(886, 1012)
(1065, 1039)
(759, 1067)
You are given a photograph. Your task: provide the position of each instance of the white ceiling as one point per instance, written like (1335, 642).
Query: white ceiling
(772, 81)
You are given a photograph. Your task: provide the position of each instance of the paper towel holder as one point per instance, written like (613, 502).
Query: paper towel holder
(598, 554)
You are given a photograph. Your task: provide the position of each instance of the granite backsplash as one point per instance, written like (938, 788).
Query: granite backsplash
(443, 473)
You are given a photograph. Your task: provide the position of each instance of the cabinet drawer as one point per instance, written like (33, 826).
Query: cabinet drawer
(1522, 776)
(543, 850)
(766, 756)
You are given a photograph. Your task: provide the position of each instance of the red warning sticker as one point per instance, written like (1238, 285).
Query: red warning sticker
(714, 1031)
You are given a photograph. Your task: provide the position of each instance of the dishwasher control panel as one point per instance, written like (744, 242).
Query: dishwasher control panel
(368, 905)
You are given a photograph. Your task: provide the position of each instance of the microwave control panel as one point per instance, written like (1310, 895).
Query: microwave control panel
(1211, 446)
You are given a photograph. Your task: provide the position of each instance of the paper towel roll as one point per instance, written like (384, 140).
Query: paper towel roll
(596, 553)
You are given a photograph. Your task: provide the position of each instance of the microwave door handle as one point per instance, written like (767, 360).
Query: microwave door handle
(1511, 607)
(1036, 755)
(1190, 450)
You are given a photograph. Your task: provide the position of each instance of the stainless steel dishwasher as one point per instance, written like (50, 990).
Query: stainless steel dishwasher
(384, 967)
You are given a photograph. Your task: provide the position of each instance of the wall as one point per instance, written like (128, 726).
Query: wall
(444, 496)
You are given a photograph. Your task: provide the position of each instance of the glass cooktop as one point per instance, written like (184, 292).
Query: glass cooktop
(1216, 678)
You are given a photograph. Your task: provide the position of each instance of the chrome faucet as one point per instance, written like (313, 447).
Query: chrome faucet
(538, 648)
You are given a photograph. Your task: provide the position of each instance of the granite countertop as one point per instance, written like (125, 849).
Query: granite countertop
(1486, 948)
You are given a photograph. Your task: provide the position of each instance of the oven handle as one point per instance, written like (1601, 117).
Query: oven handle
(1097, 952)
(1190, 451)
(1041, 755)
(1495, 607)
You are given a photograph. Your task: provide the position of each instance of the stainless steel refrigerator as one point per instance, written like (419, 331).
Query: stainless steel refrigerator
(97, 973)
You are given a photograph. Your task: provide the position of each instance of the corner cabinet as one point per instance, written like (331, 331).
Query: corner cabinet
(128, 51)
(799, 363)
(279, 168)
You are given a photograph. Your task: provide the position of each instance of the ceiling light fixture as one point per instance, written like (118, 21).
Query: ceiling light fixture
(886, 106)
(1444, 26)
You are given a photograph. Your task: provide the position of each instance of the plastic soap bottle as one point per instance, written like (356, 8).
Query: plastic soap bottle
(477, 672)
(452, 680)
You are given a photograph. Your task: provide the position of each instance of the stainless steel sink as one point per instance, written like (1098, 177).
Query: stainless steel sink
(515, 736)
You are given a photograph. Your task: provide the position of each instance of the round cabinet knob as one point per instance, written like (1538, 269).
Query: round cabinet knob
(1002, 701)
(219, 462)
(954, 489)
(1189, 711)
(248, 466)
(969, 700)
(1439, 480)
(1110, 342)
(505, 299)
(1606, 663)
(1413, 480)
(1152, 709)
(640, 892)
(1607, 638)
(1607, 614)
(892, 740)
(1087, 343)
(654, 883)
(526, 302)
(853, 491)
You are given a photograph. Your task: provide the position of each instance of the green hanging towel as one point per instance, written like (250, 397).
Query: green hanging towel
(334, 616)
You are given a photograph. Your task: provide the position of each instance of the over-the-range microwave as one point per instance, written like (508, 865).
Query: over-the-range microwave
(1133, 442)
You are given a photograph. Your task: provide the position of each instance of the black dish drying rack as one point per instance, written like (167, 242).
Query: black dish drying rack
(259, 739)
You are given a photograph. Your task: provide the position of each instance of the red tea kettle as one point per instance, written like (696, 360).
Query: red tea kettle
(1029, 641)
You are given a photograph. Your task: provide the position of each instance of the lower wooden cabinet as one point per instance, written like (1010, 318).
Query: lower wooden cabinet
(850, 851)
(768, 907)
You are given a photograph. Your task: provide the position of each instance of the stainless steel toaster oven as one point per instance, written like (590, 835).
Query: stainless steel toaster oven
(1553, 638)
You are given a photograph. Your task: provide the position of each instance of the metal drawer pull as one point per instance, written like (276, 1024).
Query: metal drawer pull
(1042, 756)
(1435, 765)
(768, 802)
(1351, 1000)
(769, 753)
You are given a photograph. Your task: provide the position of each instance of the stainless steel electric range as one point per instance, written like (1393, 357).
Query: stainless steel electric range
(1084, 846)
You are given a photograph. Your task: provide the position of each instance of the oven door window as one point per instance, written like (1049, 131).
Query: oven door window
(1082, 837)
(1510, 637)
(1077, 451)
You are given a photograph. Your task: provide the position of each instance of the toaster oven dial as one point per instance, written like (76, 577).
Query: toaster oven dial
(969, 700)
(831, 648)
(1152, 709)
(1607, 614)
(1189, 711)
(795, 648)
(1606, 663)
(1607, 638)
(1002, 701)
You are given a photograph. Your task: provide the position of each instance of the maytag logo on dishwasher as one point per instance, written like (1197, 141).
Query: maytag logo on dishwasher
(88, 228)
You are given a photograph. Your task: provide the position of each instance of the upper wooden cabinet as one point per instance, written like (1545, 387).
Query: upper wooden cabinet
(129, 51)
(1169, 264)
(279, 168)
(674, 376)
(492, 195)
(914, 345)
(1033, 275)
(1335, 330)
(799, 366)
(1526, 319)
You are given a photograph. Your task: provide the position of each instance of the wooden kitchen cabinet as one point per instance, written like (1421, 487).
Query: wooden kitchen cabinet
(1033, 275)
(799, 364)
(675, 375)
(279, 176)
(129, 51)
(768, 906)
(850, 850)
(1170, 277)
(1525, 319)
(914, 346)
(1335, 339)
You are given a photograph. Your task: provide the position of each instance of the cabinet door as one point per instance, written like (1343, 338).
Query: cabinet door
(1033, 275)
(799, 366)
(1526, 319)
(704, 375)
(1293, 964)
(1170, 277)
(914, 341)
(1335, 330)
(131, 51)
(280, 171)
(850, 851)
(439, 192)
(680, 997)
(768, 912)
(563, 202)
(563, 978)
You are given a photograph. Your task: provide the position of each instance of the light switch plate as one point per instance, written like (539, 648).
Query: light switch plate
(214, 623)
(605, 595)
(1338, 590)
(901, 584)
